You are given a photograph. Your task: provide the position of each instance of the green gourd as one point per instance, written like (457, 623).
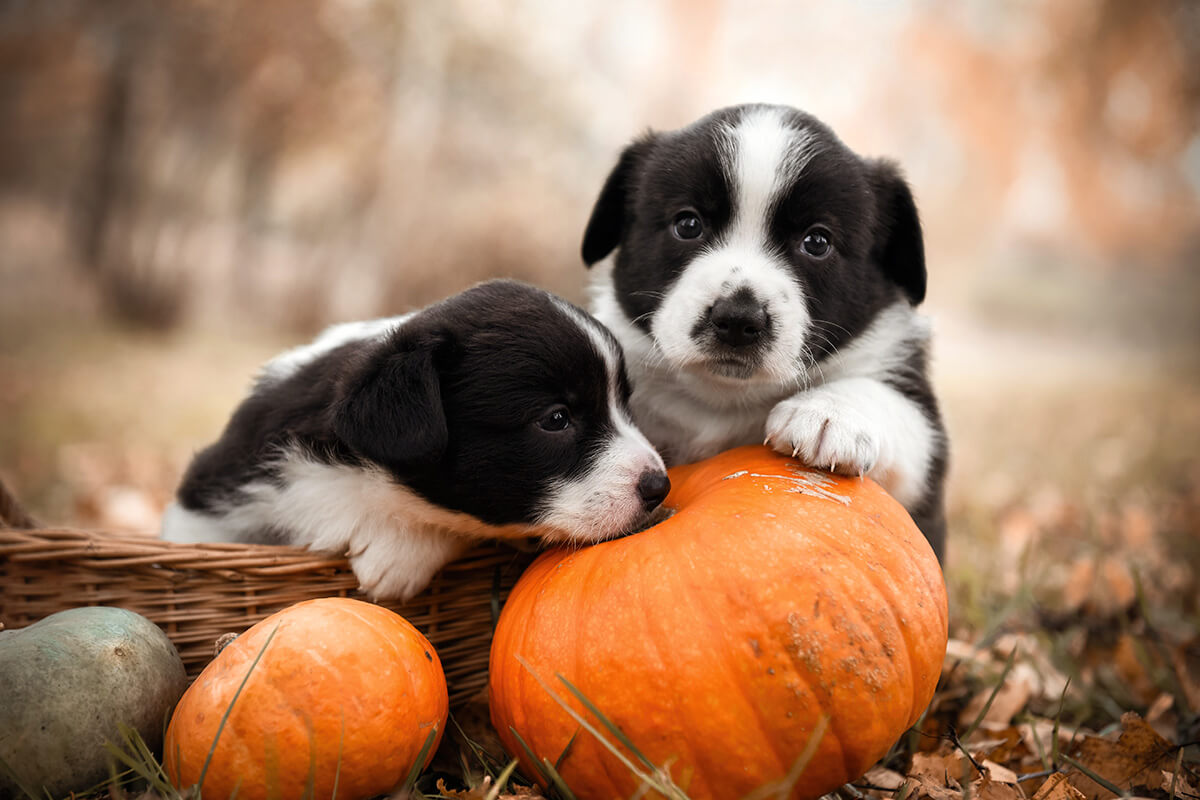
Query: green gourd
(68, 683)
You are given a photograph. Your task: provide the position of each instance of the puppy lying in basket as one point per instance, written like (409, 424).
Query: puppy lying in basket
(498, 413)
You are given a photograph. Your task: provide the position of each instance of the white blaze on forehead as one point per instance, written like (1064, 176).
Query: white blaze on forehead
(603, 501)
(603, 343)
(764, 156)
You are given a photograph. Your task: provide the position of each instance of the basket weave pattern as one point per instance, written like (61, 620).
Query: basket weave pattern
(196, 593)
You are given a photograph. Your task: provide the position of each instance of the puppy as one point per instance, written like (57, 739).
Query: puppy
(498, 413)
(764, 288)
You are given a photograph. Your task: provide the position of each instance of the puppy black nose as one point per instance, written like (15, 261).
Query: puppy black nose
(739, 320)
(653, 488)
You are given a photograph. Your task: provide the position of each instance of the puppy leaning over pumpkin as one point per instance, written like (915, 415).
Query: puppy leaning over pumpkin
(500, 412)
(763, 280)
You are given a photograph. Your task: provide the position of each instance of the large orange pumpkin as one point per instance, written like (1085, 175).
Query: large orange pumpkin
(776, 602)
(345, 692)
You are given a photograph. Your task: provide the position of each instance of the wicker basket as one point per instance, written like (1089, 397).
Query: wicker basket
(196, 593)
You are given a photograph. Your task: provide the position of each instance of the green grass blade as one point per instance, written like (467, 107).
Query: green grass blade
(1175, 774)
(1037, 741)
(560, 785)
(475, 748)
(533, 759)
(229, 709)
(1062, 701)
(782, 788)
(137, 758)
(668, 789)
(606, 722)
(1008, 665)
(337, 770)
(566, 750)
(501, 781)
(310, 781)
(1095, 776)
(411, 779)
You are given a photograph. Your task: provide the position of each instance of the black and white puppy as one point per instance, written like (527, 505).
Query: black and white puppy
(764, 288)
(500, 412)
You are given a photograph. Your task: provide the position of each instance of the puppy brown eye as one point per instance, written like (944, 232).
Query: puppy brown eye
(816, 243)
(555, 420)
(687, 225)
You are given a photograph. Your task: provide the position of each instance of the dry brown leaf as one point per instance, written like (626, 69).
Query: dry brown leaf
(1008, 702)
(1078, 586)
(1058, 787)
(987, 789)
(1180, 784)
(929, 789)
(1003, 746)
(1115, 590)
(1132, 671)
(1135, 759)
(883, 778)
(945, 767)
(999, 773)
(481, 791)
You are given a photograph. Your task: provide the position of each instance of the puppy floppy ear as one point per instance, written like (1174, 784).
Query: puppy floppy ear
(391, 411)
(607, 223)
(899, 247)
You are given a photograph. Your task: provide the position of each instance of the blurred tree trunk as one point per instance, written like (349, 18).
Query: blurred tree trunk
(105, 178)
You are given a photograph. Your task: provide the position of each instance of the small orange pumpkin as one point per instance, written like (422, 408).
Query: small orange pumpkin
(775, 602)
(345, 693)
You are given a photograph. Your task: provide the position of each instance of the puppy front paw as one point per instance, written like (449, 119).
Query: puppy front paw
(381, 581)
(825, 433)
(399, 564)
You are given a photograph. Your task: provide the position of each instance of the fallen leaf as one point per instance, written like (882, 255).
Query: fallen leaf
(1012, 697)
(998, 773)
(1058, 787)
(1135, 759)
(933, 790)
(1078, 585)
(1131, 670)
(987, 789)
(883, 778)
(1178, 783)
(1116, 590)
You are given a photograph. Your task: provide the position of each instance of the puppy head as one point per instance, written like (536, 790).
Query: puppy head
(753, 243)
(510, 405)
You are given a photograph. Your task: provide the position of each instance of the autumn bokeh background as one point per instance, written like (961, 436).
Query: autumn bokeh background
(186, 187)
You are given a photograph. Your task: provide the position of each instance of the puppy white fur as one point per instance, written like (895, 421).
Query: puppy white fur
(764, 286)
(499, 413)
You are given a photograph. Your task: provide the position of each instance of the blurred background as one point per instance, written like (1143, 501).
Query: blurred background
(188, 186)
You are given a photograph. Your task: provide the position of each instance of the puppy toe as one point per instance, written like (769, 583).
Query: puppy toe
(823, 434)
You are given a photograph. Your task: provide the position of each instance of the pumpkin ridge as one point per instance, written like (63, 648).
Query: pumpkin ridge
(802, 670)
(888, 603)
(672, 675)
(581, 598)
(768, 743)
(516, 639)
(853, 609)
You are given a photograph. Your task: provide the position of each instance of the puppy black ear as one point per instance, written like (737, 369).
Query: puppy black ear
(607, 222)
(391, 412)
(899, 247)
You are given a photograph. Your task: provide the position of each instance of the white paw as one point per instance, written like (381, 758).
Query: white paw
(398, 564)
(381, 581)
(824, 432)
